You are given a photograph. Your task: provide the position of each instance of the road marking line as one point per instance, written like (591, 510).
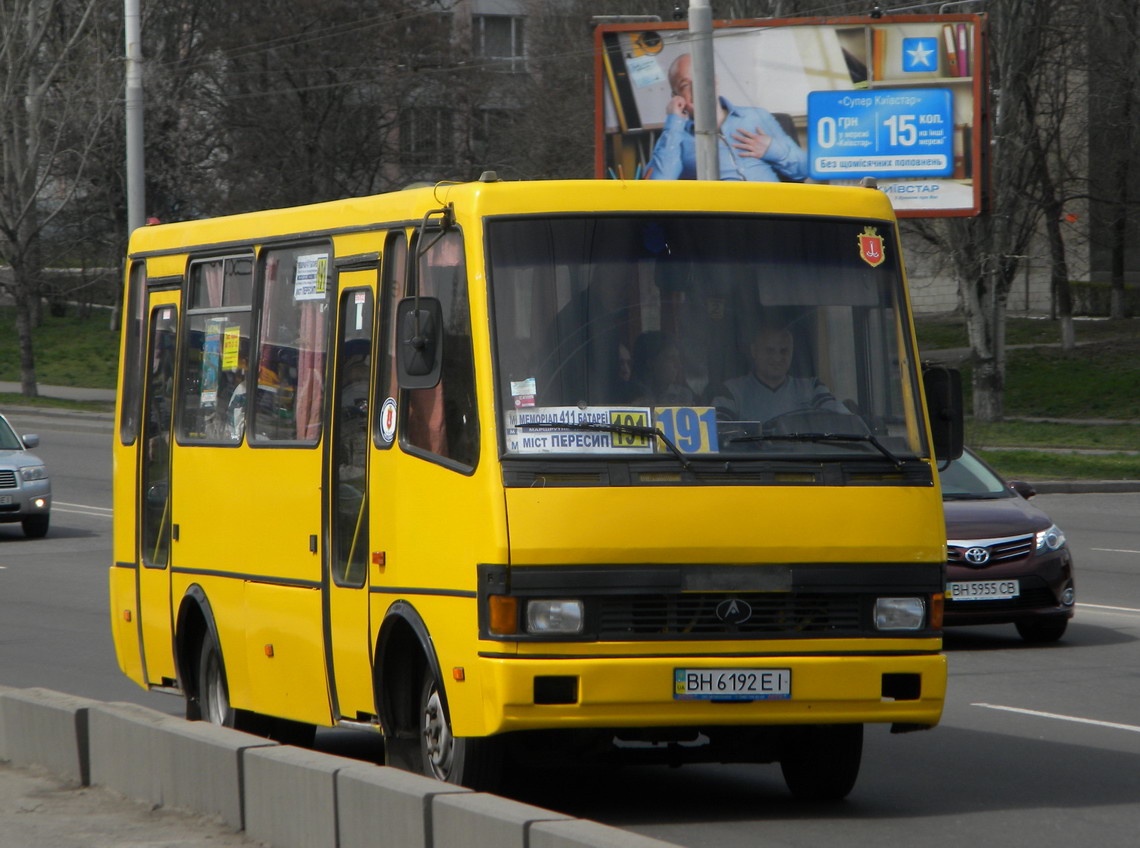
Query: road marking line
(1105, 607)
(83, 512)
(1117, 550)
(1076, 719)
(105, 509)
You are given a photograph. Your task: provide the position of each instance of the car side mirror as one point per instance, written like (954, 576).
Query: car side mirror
(30, 441)
(419, 342)
(1022, 488)
(943, 387)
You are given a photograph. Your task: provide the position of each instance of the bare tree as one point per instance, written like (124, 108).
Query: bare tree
(1114, 97)
(1053, 102)
(48, 123)
(986, 252)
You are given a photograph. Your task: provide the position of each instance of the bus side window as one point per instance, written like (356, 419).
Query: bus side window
(442, 420)
(292, 345)
(211, 404)
(134, 354)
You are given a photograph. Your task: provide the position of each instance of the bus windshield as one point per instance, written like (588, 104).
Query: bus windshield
(736, 336)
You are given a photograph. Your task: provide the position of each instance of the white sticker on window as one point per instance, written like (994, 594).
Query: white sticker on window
(311, 281)
(523, 392)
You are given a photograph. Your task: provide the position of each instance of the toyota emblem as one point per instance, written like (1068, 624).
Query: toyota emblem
(977, 555)
(734, 611)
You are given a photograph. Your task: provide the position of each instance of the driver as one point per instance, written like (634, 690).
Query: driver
(769, 391)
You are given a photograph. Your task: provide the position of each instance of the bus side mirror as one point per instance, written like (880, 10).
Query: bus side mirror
(943, 387)
(419, 342)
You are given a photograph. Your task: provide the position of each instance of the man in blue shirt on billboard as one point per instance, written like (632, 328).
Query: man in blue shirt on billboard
(753, 145)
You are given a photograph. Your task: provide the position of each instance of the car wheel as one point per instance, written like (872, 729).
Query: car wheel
(472, 762)
(36, 526)
(1043, 629)
(821, 763)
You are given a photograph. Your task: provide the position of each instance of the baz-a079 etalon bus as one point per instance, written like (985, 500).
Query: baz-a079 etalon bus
(489, 468)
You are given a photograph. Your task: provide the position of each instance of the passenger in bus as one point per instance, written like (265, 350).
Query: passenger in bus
(658, 376)
(769, 390)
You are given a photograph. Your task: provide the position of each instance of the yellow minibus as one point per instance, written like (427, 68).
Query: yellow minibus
(511, 472)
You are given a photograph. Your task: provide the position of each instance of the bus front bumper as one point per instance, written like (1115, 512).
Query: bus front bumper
(636, 691)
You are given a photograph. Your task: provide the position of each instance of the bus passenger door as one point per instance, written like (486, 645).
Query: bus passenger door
(154, 497)
(346, 581)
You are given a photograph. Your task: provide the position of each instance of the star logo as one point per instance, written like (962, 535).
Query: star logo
(919, 54)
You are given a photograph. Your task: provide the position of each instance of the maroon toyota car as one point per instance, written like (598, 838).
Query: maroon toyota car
(1007, 562)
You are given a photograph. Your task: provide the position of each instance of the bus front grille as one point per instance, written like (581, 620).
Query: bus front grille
(748, 615)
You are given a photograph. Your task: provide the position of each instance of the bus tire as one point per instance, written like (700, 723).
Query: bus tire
(821, 763)
(213, 691)
(474, 762)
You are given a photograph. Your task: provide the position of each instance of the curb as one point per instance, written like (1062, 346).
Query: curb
(277, 794)
(1085, 487)
(55, 412)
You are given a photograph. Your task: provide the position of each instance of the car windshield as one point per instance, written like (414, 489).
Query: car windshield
(682, 336)
(968, 478)
(8, 438)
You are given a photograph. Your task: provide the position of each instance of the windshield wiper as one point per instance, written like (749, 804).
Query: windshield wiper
(826, 437)
(619, 429)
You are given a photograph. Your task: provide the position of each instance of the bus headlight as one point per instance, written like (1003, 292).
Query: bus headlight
(899, 613)
(557, 617)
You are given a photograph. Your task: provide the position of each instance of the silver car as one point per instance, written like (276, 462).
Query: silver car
(25, 488)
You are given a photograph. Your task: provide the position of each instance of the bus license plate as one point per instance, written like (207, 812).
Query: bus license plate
(732, 684)
(983, 590)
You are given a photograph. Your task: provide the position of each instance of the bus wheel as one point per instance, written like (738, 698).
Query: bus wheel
(822, 763)
(213, 693)
(472, 762)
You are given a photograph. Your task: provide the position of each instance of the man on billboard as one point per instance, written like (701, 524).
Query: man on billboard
(753, 146)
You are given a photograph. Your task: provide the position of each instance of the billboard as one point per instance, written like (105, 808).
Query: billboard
(899, 98)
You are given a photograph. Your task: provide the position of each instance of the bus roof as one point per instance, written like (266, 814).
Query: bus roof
(503, 197)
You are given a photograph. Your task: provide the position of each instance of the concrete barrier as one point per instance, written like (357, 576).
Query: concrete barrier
(290, 796)
(46, 728)
(126, 750)
(581, 833)
(373, 800)
(479, 820)
(280, 795)
(201, 768)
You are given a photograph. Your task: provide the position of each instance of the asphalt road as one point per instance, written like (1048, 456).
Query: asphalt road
(1038, 746)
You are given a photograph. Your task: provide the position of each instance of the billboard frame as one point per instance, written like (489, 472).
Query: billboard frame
(627, 58)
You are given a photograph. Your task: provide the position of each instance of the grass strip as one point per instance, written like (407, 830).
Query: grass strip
(1057, 465)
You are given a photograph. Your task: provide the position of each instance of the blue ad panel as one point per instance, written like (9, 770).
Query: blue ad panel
(896, 132)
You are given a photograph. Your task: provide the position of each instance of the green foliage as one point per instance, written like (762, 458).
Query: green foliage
(69, 351)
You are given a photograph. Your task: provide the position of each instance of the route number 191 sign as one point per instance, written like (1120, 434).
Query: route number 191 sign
(898, 132)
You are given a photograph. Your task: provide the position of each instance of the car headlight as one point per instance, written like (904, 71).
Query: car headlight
(1050, 540)
(899, 613)
(554, 617)
(34, 472)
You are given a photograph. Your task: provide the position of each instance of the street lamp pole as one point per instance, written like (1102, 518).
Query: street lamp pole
(136, 185)
(704, 90)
